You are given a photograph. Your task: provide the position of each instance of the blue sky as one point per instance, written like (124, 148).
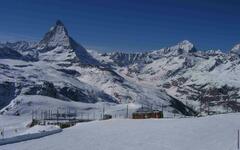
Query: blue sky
(128, 25)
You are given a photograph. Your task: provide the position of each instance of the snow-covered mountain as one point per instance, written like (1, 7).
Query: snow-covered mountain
(181, 78)
(60, 68)
(206, 81)
(236, 49)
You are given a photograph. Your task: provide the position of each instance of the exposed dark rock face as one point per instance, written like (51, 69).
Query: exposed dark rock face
(8, 53)
(123, 59)
(46, 89)
(217, 63)
(7, 93)
(70, 72)
(68, 93)
(225, 96)
(185, 110)
(80, 95)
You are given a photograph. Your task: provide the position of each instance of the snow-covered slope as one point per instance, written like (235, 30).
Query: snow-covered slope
(206, 133)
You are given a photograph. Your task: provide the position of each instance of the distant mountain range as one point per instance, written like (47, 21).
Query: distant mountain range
(182, 78)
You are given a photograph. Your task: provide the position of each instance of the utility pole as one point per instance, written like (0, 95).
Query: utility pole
(200, 109)
(127, 103)
(208, 107)
(227, 104)
(49, 114)
(32, 115)
(57, 115)
(103, 111)
(127, 111)
(238, 140)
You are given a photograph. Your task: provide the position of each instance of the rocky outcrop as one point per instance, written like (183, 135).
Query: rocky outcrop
(7, 93)
(67, 93)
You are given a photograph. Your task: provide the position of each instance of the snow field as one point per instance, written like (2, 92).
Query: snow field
(207, 133)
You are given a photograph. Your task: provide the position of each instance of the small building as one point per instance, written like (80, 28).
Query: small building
(146, 114)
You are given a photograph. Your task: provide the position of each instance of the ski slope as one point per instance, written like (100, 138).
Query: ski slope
(207, 133)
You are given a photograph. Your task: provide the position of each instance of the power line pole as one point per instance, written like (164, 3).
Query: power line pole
(127, 111)
(57, 115)
(201, 104)
(32, 115)
(208, 108)
(227, 104)
(238, 140)
(127, 103)
(103, 111)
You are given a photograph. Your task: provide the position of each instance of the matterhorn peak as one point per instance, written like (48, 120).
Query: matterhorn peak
(236, 49)
(61, 46)
(59, 23)
(56, 36)
(186, 42)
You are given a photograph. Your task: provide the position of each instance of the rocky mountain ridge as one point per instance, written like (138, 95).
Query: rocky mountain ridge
(197, 78)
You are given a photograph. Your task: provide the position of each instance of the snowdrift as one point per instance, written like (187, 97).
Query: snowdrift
(32, 133)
